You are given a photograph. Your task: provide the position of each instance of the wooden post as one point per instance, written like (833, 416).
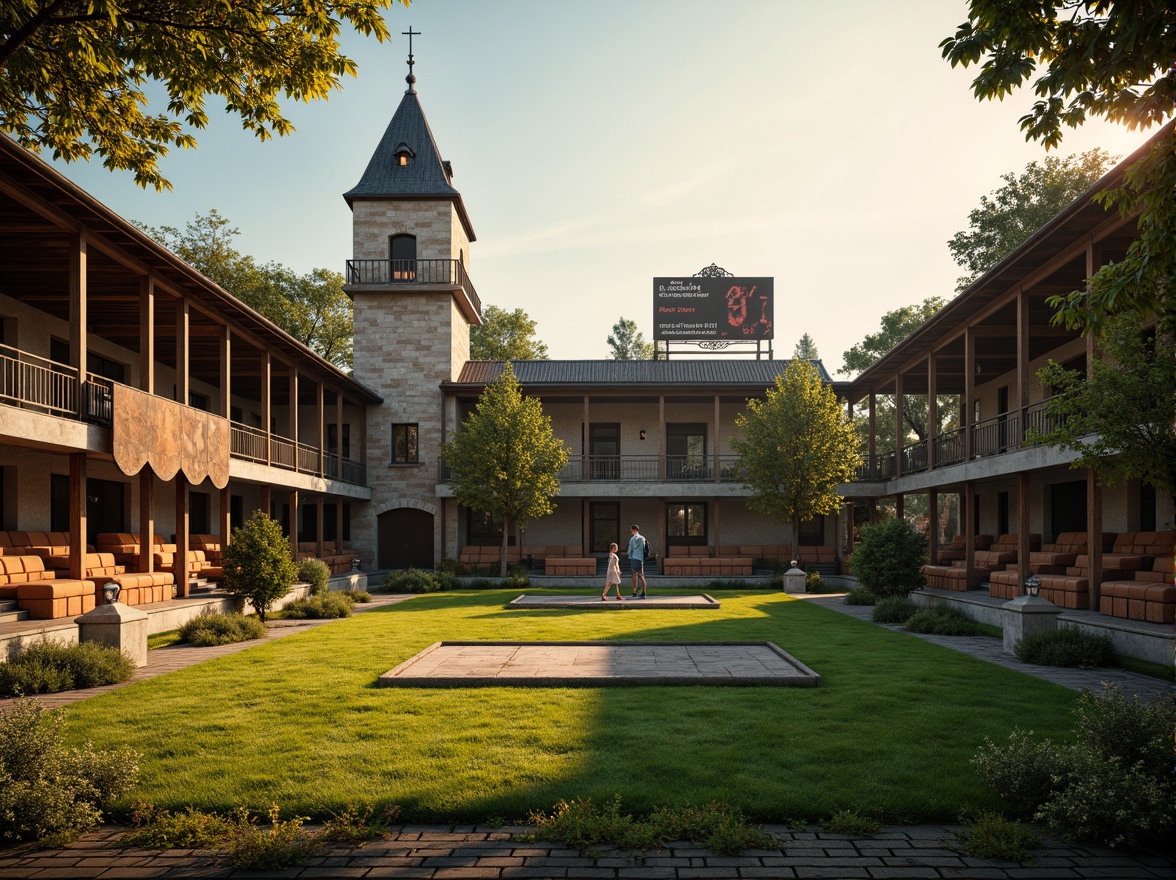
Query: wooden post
(969, 389)
(661, 437)
(1022, 529)
(147, 337)
(78, 525)
(899, 506)
(585, 441)
(849, 529)
(266, 504)
(933, 527)
(225, 517)
(716, 436)
(321, 428)
(182, 380)
(1094, 529)
(183, 579)
(292, 501)
(873, 440)
(267, 410)
(932, 410)
(319, 517)
(1022, 366)
(661, 533)
(968, 515)
(585, 527)
(339, 527)
(78, 318)
(899, 427)
(339, 456)
(293, 424)
(147, 519)
(226, 396)
(715, 526)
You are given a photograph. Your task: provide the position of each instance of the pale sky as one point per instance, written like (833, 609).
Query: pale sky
(598, 145)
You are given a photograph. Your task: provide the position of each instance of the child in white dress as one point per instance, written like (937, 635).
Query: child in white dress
(613, 577)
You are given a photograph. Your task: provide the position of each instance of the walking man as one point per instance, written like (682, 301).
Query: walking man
(638, 551)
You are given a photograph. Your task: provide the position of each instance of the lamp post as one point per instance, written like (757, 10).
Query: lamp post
(110, 592)
(1032, 585)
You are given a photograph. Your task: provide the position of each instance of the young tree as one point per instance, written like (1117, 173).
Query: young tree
(505, 336)
(797, 448)
(74, 75)
(806, 349)
(257, 563)
(312, 308)
(1122, 420)
(628, 343)
(1023, 205)
(504, 459)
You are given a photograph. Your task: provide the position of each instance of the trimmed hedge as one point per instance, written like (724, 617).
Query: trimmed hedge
(49, 667)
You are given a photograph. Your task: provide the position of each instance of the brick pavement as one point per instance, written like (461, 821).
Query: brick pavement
(437, 852)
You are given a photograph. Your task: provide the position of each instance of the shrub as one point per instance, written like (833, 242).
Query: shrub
(942, 620)
(889, 560)
(895, 609)
(813, 582)
(315, 573)
(1066, 646)
(212, 628)
(517, 578)
(360, 596)
(860, 596)
(450, 566)
(413, 580)
(257, 563)
(355, 825)
(850, 822)
(992, 836)
(47, 667)
(160, 829)
(283, 845)
(715, 827)
(1114, 785)
(49, 792)
(325, 607)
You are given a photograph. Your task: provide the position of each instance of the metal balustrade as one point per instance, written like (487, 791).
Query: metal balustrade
(33, 382)
(637, 469)
(450, 272)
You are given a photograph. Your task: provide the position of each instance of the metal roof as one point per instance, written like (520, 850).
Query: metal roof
(714, 374)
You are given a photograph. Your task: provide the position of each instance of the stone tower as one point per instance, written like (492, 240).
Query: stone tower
(414, 304)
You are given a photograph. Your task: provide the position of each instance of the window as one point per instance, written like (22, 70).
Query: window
(686, 452)
(198, 401)
(402, 249)
(404, 444)
(105, 506)
(198, 513)
(686, 523)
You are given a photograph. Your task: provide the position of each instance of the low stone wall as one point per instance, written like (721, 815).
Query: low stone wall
(978, 610)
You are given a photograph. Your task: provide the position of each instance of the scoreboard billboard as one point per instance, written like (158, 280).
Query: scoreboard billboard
(700, 308)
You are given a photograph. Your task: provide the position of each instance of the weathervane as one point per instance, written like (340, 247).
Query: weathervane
(410, 79)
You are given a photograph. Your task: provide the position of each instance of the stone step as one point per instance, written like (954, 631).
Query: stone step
(7, 605)
(12, 615)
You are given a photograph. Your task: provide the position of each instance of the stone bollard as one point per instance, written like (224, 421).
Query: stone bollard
(117, 626)
(1025, 615)
(794, 580)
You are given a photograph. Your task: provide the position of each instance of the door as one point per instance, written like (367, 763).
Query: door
(405, 538)
(604, 452)
(686, 452)
(605, 525)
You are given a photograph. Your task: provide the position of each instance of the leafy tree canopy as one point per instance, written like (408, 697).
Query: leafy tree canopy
(504, 459)
(806, 349)
(1023, 205)
(506, 336)
(628, 343)
(258, 565)
(897, 325)
(1122, 421)
(312, 308)
(74, 74)
(797, 448)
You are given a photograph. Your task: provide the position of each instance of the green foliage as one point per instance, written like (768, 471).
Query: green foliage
(628, 343)
(325, 607)
(584, 826)
(312, 308)
(154, 828)
(416, 580)
(75, 77)
(48, 667)
(992, 836)
(257, 563)
(806, 349)
(355, 825)
(860, 596)
(814, 583)
(797, 448)
(450, 566)
(1114, 785)
(47, 791)
(850, 822)
(1022, 206)
(504, 458)
(1100, 58)
(209, 629)
(1128, 405)
(316, 574)
(505, 336)
(282, 845)
(890, 558)
(163, 639)
(894, 609)
(359, 596)
(897, 325)
(942, 620)
(1066, 646)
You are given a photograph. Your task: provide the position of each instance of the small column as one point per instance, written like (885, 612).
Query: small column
(794, 580)
(117, 626)
(182, 575)
(78, 526)
(1025, 615)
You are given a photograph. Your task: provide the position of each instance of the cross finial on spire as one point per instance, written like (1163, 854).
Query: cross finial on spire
(410, 79)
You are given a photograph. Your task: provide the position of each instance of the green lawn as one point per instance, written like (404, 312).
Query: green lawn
(300, 720)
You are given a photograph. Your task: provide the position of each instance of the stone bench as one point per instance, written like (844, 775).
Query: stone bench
(570, 566)
(1149, 595)
(1063, 590)
(142, 588)
(949, 577)
(53, 599)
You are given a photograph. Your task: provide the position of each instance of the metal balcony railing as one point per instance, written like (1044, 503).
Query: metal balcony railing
(451, 272)
(638, 469)
(33, 382)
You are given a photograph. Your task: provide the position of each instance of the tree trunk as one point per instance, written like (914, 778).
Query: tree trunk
(796, 538)
(505, 543)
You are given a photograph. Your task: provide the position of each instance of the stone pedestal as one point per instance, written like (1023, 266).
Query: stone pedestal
(794, 580)
(1025, 615)
(117, 626)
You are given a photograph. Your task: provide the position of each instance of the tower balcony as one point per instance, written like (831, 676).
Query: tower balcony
(415, 276)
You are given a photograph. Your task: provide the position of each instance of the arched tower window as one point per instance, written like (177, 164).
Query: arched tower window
(403, 252)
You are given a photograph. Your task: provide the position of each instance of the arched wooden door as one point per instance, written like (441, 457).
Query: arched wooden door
(405, 538)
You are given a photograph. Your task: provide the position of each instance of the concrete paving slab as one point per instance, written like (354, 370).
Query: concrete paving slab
(594, 603)
(600, 664)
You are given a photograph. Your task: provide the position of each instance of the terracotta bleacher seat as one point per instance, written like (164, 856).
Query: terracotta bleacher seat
(141, 588)
(570, 566)
(165, 561)
(1052, 559)
(1149, 595)
(1002, 552)
(98, 568)
(17, 570)
(338, 563)
(955, 551)
(51, 599)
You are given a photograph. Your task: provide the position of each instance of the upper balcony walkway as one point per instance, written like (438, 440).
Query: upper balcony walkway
(394, 275)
